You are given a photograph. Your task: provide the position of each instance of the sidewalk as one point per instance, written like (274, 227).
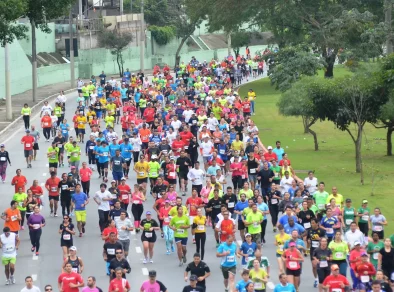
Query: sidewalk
(18, 100)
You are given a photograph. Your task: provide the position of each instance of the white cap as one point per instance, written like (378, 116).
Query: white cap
(269, 147)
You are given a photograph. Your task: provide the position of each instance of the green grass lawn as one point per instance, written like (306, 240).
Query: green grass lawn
(334, 163)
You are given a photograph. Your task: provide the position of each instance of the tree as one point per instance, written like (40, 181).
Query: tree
(40, 13)
(239, 39)
(10, 12)
(351, 101)
(116, 42)
(297, 102)
(163, 34)
(291, 64)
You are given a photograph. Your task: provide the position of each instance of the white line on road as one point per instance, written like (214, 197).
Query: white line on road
(145, 271)
(138, 249)
(35, 258)
(34, 277)
(44, 174)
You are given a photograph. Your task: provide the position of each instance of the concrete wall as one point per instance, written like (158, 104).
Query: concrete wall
(45, 42)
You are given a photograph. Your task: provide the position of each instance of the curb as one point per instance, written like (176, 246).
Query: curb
(33, 110)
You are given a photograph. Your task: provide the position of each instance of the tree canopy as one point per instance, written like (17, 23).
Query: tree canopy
(10, 11)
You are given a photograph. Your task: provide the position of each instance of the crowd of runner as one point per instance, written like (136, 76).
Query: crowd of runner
(194, 148)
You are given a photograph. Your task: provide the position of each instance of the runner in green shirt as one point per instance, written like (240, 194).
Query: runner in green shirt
(20, 197)
(26, 113)
(320, 197)
(276, 170)
(53, 156)
(180, 224)
(373, 249)
(363, 214)
(154, 168)
(264, 262)
(253, 222)
(348, 214)
(75, 157)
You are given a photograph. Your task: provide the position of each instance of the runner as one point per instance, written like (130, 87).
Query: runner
(53, 156)
(75, 261)
(152, 284)
(109, 249)
(137, 208)
(28, 144)
(9, 242)
(102, 199)
(322, 257)
(66, 231)
(180, 223)
(124, 227)
(52, 185)
(35, 222)
(20, 197)
(80, 200)
(227, 251)
(148, 236)
(193, 203)
(292, 259)
(91, 285)
(119, 262)
(29, 285)
(199, 269)
(4, 158)
(141, 168)
(118, 282)
(117, 164)
(199, 228)
(69, 281)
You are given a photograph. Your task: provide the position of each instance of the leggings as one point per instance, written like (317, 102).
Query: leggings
(3, 169)
(168, 236)
(92, 157)
(274, 211)
(47, 133)
(137, 210)
(66, 204)
(103, 219)
(35, 235)
(23, 217)
(135, 156)
(26, 120)
(363, 228)
(86, 187)
(237, 182)
(263, 227)
(200, 243)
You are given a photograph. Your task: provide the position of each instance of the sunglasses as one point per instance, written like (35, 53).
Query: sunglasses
(48, 289)
(119, 252)
(66, 218)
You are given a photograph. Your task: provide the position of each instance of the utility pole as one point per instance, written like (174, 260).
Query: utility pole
(388, 6)
(121, 7)
(142, 40)
(34, 59)
(72, 65)
(8, 101)
(80, 12)
(131, 6)
(229, 44)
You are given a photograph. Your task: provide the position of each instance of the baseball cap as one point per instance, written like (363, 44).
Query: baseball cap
(356, 243)
(365, 201)
(364, 254)
(72, 167)
(148, 213)
(73, 248)
(292, 244)
(2, 145)
(70, 174)
(27, 131)
(152, 273)
(193, 278)
(348, 200)
(269, 147)
(247, 234)
(123, 178)
(167, 201)
(334, 267)
(113, 181)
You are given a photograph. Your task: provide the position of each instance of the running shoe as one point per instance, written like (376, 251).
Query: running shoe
(180, 263)
(12, 279)
(162, 235)
(37, 253)
(172, 248)
(55, 214)
(83, 229)
(7, 282)
(194, 241)
(168, 252)
(151, 261)
(184, 259)
(315, 284)
(33, 249)
(51, 214)
(80, 235)
(144, 261)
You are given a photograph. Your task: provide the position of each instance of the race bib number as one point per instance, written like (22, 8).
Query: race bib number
(66, 236)
(339, 254)
(323, 264)
(365, 217)
(171, 174)
(321, 206)
(153, 173)
(36, 226)
(53, 189)
(75, 270)
(222, 151)
(274, 201)
(281, 247)
(105, 154)
(330, 230)
(315, 244)
(91, 147)
(26, 114)
(46, 124)
(136, 202)
(230, 259)
(117, 162)
(28, 145)
(141, 173)
(59, 145)
(375, 255)
(258, 285)
(201, 227)
(348, 221)
(256, 224)
(64, 187)
(148, 234)
(14, 218)
(253, 170)
(293, 265)
(378, 228)
(125, 197)
(167, 220)
(10, 248)
(307, 225)
(364, 279)
(111, 251)
(3, 159)
(20, 204)
(75, 154)
(231, 205)
(336, 290)
(180, 231)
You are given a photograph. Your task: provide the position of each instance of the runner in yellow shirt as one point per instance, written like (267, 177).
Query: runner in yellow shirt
(81, 120)
(142, 169)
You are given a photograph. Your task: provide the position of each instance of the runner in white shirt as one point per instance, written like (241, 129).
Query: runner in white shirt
(46, 108)
(212, 122)
(188, 114)
(61, 98)
(102, 198)
(9, 242)
(207, 148)
(29, 285)
(176, 124)
(196, 175)
(136, 143)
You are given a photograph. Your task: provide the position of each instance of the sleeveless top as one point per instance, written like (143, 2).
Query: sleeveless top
(74, 264)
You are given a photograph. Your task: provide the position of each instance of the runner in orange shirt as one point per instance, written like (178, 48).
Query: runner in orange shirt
(144, 135)
(46, 124)
(85, 173)
(193, 203)
(12, 217)
(19, 181)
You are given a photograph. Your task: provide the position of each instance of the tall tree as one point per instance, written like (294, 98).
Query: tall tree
(351, 102)
(10, 12)
(116, 42)
(40, 13)
(297, 102)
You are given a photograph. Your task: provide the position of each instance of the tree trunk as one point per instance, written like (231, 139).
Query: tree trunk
(236, 52)
(388, 140)
(329, 73)
(34, 59)
(306, 124)
(358, 144)
(313, 133)
(177, 57)
(121, 64)
(117, 61)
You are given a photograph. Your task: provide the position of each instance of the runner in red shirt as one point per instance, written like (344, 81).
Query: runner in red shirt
(69, 281)
(85, 173)
(149, 114)
(52, 185)
(19, 181)
(46, 124)
(37, 191)
(246, 107)
(119, 284)
(177, 146)
(125, 122)
(225, 226)
(124, 193)
(269, 156)
(186, 136)
(28, 143)
(193, 203)
(335, 281)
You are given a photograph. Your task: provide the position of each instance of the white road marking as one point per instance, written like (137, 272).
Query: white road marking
(145, 271)
(138, 249)
(35, 258)
(47, 165)
(42, 184)
(34, 277)
(44, 174)
(239, 242)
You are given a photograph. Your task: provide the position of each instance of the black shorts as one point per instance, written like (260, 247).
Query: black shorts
(322, 274)
(128, 161)
(142, 180)
(35, 146)
(295, 273)
(81, 131)
(171, 181)
(28, 153)
(182, 175)
(66, 243)
(227, 270)
(53, 165)
(79, 90)
(104, 165)
(55, 198)
(149, 239)
(241, 225)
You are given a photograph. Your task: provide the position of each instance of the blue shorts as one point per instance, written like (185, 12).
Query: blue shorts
(107, 268)
(182, 240)
(117, 175)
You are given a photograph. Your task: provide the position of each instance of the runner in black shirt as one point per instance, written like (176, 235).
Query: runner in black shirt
(199, 269)
(193, 285)
(109, 249)
(183, 163)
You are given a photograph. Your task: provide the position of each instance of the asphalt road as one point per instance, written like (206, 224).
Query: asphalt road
(46, 268)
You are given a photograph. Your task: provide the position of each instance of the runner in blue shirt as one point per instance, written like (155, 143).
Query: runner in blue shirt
(103, 159)
(291, 225)
(113, 147)
(284, 286)
(80, 200)
(227, 251)
(126, 150)
(247, 250)
(329, 224)
(240, 287)
(238, 209)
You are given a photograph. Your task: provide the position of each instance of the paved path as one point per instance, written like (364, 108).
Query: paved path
(46, 268)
